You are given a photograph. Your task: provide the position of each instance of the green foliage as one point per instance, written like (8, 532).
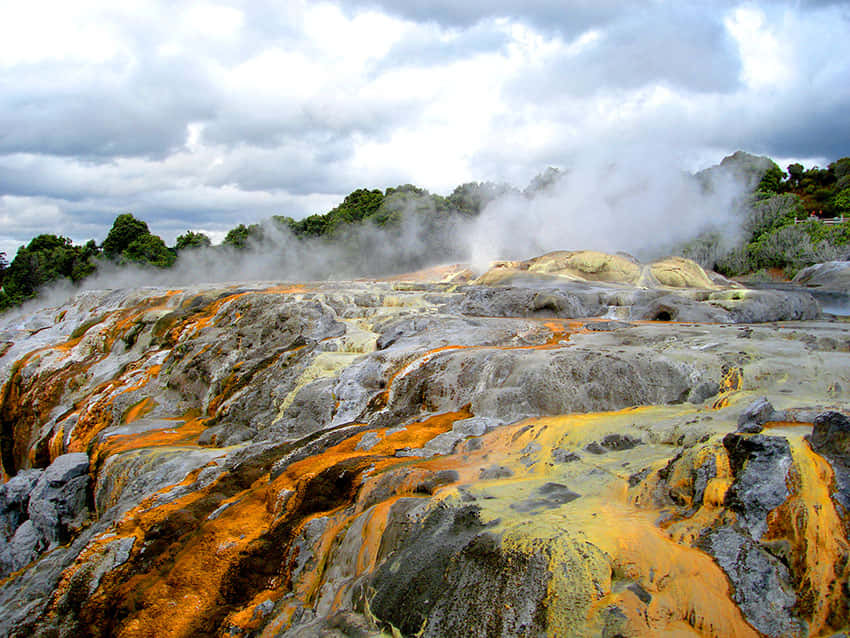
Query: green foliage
(735, 262)
(795, 173)
(4, 264)
(706, 249)
(241, 236)
(357, 207)
(834, 235)
(840, 168)
(766, 215)
(790, 248)
(771, 181)
(149, 250)
(841, 202)
(190, 239)
(130, 240)
(472, 197)
(125, 229)
(45, 259)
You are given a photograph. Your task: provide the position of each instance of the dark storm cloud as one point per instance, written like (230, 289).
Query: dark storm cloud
(801, 130)
(327, 122)
(118, 110)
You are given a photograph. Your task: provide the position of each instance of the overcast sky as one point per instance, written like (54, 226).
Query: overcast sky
(202, 116)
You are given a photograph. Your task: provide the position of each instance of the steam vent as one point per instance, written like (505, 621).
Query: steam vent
(574, 445)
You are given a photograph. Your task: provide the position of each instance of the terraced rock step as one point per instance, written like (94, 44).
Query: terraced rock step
(573, 445)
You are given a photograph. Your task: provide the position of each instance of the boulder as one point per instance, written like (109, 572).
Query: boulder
(831, 274)
(831, 438)
(14, 500)
(58, 503)
(759, 464)
(831, 435)
(22, 548)
(756, 414)
(762, 585)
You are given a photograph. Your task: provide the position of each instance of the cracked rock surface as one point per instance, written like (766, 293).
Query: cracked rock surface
(573, 445)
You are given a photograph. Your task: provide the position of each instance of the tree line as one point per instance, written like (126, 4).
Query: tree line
(48, 258)
(782, 220)
(769, 214)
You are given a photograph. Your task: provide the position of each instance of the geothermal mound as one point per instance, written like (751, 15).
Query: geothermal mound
(577, 444)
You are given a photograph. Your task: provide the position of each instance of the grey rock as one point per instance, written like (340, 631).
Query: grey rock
(677, 307)
(831, 435)
(756, 414)
(112, 555)
(443, 443)
(644, 596)
(484, 301)
(510, 384)
(606, 326)
(435, 480)
(831, 439)
(619, 442)
(66, 467)
(548, 496)
(495, 472)
(703, 391)
(311, 410)
(368, 441)
(22, 548)
(24, 596)
(762, 586)
(58, 503)
(126, 479)
(830, 274)
(564, 456)
(446, 575)
(14, 500)
(704, 473)
(760, 306)
(475, 426)
(342, 624)
(759, 464)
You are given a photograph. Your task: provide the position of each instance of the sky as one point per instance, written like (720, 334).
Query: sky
(202, 116)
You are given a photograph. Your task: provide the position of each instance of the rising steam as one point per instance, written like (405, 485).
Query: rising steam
(638, 203)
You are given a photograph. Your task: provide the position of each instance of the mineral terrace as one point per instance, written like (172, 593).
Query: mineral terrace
(575, 445)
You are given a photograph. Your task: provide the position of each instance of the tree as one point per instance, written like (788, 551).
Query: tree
(471, 198)
(238, 237)
(841, 202)
(771, 181)
(768, 214)
(149, 250)
(125, 229)
(4, 264)
(191, 239)
(795, 173)
(543, 181)
(45, 259)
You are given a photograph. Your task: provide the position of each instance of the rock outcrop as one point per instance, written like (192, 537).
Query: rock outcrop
(574, 445)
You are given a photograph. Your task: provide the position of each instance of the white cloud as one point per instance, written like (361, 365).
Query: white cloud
(763, 56)
(210, 114)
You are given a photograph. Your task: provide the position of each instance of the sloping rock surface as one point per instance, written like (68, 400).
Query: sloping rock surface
(574, 445)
